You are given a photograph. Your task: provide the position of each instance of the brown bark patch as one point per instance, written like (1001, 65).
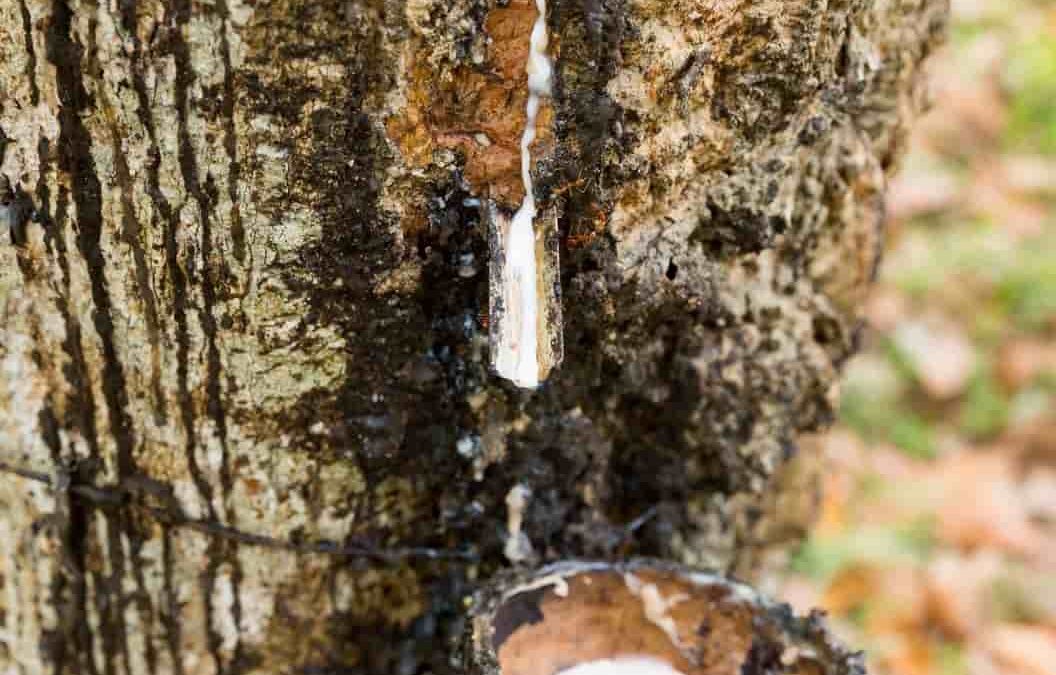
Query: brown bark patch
(478, 110)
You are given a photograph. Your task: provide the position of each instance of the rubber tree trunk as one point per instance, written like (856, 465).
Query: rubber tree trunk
(247, 423)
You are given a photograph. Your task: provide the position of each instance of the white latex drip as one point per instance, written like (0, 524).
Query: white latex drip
(627, 665)
(520, 363)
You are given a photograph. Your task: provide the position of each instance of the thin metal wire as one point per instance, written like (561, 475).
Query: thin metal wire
(123, 495)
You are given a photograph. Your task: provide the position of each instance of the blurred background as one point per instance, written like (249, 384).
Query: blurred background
(936, 547)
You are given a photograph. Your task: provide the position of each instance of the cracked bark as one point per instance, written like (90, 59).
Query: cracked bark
(246, 422)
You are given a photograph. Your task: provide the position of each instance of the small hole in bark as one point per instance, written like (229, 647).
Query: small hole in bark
(826, 330)
(672, 269)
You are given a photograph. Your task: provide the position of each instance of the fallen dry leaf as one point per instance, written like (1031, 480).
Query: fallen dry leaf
(843, 455)
(921, 191)
(958, 590)
(973, 113)
(941, 355)
(991, 198)
(1039, 493)
(851, 587)
(1026, 594)
(1021, 361)
(898, 601)
(1023, 650)
(981, 504)
(1030, 174)
(885, 308)
(911, 655)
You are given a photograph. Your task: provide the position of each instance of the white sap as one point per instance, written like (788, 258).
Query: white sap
(519, 360)
(628, 665)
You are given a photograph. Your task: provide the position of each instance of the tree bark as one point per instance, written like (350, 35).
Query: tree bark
(246, 419)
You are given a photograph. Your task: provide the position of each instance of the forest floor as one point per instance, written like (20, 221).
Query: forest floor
(936, 546)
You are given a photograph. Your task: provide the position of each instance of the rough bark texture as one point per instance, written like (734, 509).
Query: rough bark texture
(243, 382)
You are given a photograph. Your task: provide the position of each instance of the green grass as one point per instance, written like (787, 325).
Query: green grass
(821, 558)
(1018, 600)
(1031, 78)
(1026, 286)
(895, 423)
(938, 253)
(951, 660)
(985, 409)
(1017, 280)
